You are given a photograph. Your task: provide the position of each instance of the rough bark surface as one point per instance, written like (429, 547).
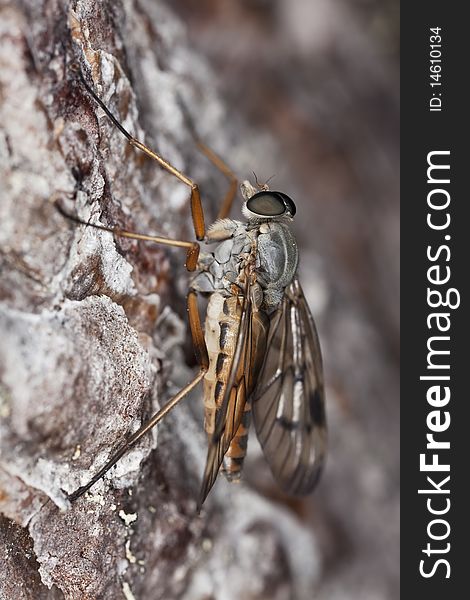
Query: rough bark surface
(91, 326)
(93, 335)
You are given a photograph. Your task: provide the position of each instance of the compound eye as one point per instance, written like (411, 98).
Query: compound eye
(288, 202)
(266, 204)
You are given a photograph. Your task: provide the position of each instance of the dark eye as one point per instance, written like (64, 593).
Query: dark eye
(270, 204)
(266, 204)
(289, 203)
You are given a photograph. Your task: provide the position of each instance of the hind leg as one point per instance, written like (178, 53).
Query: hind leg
(203, 360)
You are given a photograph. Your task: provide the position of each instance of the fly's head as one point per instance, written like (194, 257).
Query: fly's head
(262, 204)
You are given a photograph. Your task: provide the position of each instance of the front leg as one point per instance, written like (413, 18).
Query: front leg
(220, 230)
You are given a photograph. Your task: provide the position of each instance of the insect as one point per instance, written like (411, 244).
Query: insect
(259, 355)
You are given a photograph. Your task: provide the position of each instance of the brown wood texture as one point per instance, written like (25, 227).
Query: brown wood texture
(93, 333)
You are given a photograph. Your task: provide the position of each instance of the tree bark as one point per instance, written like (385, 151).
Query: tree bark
(93, 334)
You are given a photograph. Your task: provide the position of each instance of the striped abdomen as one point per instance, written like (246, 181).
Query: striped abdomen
(222, 323)
(221, 330)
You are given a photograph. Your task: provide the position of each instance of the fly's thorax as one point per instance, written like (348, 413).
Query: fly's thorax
(270, 246)
(224, 265)
(277, 258)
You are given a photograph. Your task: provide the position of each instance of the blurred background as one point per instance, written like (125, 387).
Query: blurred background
(318, 81)
(93, 327)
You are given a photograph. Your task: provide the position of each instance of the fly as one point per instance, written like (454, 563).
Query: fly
(259, 354)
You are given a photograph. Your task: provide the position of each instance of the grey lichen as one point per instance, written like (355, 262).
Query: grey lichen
(84, 354)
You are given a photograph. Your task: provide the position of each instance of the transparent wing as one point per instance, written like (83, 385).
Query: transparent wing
(231, 410)
(288, 402)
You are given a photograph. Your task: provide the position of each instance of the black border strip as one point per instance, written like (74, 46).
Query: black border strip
(424, 131)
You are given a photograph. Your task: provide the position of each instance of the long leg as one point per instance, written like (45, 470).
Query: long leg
(203, 359)
(192, 247)
(196, 205)
(217, 162)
